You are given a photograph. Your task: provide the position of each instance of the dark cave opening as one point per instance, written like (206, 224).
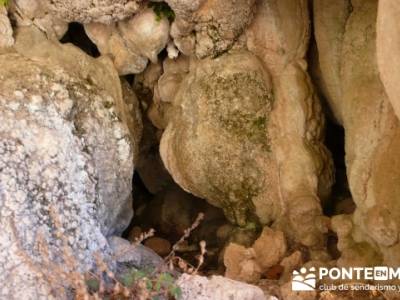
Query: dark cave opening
(340, 200)
(77, 36)
(170, 212)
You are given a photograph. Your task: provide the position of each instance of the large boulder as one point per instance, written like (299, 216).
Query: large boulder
(372, 131)
(231, 141)
(216, 143)
(66, 162)
(246, 133)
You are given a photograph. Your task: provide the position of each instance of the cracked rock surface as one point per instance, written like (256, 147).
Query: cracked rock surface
(66, 157)
(207, 27)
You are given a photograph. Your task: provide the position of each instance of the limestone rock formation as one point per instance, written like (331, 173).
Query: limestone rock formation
(150, 167)
(167, 86)
(275, 242)
(388, 49)
(240, 263)
(333, 16)
(233, 128)
(220, 127)
(207, 27)
(103, 11)
(248, 264)
(348, 43)
(146, 33)
(66, 161)
(37, 13)
(246, 133)
(279, 36)
(6, 33)
(132, 42)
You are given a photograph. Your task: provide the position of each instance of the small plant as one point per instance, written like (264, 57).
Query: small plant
(102, 282)
(134, 284)
(4, 2)
(162, 10)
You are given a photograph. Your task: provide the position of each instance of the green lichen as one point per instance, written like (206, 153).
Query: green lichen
(241, 103)
(238, 105)
(162, 10)
(234, 181)
(108, 104)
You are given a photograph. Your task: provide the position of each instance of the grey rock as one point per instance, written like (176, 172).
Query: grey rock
(66, 162)
(134, 255)
(103, 11)
(195, 287)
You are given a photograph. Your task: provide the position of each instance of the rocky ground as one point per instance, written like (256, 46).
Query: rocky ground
(196, 149)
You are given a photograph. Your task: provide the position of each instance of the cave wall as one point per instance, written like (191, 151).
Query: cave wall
(227, 101)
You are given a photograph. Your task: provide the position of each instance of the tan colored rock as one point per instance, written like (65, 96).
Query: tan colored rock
(144, 82)
(208, 27)
(231, 99)
(270, 248)
(248, 264)
(6, 32)
(36, 13)
(388, 50)
(159, 245)
(174, 71)
(281, 45)
(110, 42)
(240, 263)
(372, 133)
(227, 139)
(145, 33)
(292, 262)
(131, 42)
(352, 253)
(333, 15)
